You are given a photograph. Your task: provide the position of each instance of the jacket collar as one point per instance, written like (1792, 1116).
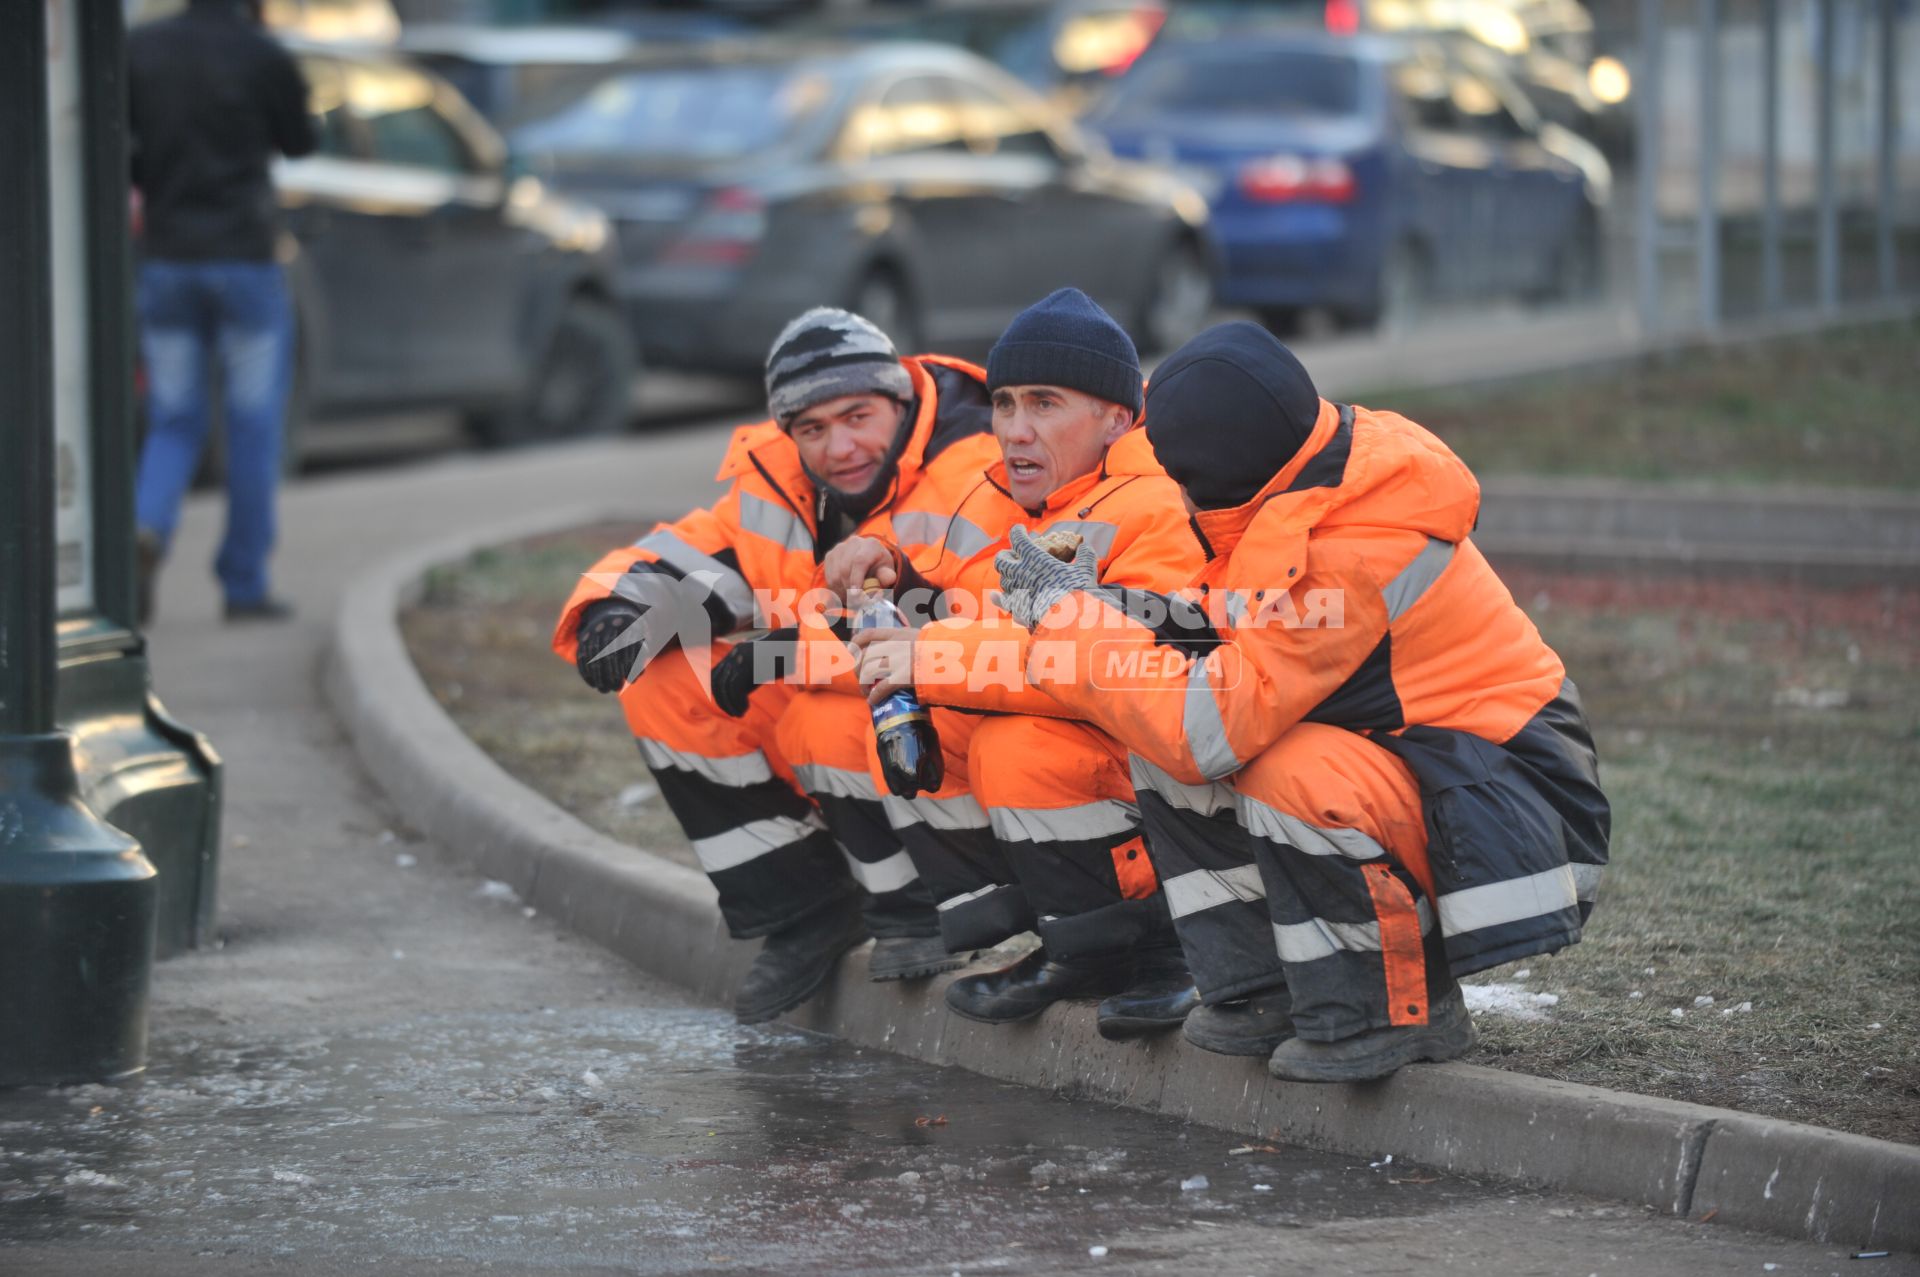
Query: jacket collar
(1221, 530)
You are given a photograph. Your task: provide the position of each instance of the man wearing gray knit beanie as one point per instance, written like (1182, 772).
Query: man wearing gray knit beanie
(767, 778)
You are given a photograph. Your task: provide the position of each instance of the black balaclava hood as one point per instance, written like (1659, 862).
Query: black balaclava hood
(1227, 411)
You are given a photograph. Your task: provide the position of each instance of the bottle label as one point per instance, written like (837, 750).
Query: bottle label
(899, 720)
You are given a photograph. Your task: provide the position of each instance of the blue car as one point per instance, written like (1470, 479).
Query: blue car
(1364, 177)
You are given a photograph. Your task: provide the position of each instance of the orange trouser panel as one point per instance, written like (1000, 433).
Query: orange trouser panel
(756, 835)
(1063, 810)
(825, 736)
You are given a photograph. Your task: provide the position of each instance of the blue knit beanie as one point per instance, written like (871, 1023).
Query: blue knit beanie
(1066, 340)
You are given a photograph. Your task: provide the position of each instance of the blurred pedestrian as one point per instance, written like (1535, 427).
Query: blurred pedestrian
(212, 97)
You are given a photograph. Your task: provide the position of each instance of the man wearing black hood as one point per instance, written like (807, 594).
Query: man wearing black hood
(1372, 776)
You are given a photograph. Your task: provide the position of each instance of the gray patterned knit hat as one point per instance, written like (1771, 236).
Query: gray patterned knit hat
(827, 353)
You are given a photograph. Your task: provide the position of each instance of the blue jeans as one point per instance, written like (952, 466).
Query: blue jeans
(230, 319)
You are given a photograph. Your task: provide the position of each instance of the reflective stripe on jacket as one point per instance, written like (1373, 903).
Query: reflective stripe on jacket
(1128, 510)
(1347, 592)
(760, 536)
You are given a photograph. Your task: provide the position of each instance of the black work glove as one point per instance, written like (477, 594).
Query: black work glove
(733, 679)
(601, 626)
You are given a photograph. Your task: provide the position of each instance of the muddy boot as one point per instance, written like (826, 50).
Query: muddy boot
(794, 962)
(1252, 1025)
(911, 958)
(1448, 1033)
(1033, 984)
(1160, 997)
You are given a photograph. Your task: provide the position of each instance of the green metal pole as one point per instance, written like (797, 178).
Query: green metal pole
(76, 895)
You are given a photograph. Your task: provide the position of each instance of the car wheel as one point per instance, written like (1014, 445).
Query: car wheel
(883, 301)
(1406, 287)
(582, 386)
(1577, 266)
(1179, 298)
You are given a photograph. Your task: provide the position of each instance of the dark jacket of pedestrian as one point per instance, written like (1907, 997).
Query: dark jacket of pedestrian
(212, 98)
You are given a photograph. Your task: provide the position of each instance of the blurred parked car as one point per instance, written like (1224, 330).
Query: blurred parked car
(1363, 176)
(915, 184)
(503, 70)
(1065, 50)
(326, 21)
(423, 274)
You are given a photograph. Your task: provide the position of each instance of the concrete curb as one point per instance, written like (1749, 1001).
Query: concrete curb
(1680, 1159)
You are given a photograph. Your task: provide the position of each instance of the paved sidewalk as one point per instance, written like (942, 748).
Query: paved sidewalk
(313, 1107)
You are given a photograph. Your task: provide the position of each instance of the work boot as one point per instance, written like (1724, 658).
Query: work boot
(1448, 1033)
(147, 553)
(910, 958)
(1033, 984)
(1160, 997)
(794, 962)
(1252, 1025)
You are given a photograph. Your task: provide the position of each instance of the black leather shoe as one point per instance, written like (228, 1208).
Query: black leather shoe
(1252, 1026)
(1033, 984)
(1160, 997)
(911, 958)
(267, 609)
(147, 553)
(795, 962)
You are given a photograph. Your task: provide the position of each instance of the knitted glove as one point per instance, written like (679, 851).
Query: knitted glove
(602, 625)
(733, 678)
(1032, 580)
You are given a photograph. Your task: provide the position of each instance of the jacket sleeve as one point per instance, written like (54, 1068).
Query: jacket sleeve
(287, 105)
(697, 548)
(1202, 715)
(979, 664)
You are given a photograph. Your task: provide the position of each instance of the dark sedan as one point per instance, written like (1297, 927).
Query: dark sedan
(916, 184)
(1366, 176)
(426, 274)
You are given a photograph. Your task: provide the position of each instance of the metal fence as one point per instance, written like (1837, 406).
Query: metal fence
(1778, 147)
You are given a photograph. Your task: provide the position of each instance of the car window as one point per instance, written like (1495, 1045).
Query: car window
(914, 115)
(707, 112)
(1230, 81)
(403, 122)
(995, 124)
(335, 131)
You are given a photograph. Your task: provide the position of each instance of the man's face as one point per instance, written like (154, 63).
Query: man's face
(845, 440)
(1050, 436)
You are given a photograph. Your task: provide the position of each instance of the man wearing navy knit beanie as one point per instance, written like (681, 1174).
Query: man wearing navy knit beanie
(1037, 827)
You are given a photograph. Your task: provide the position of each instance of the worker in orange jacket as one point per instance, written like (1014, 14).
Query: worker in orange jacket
(1035, 826)
(1363, 772)
(861, 440)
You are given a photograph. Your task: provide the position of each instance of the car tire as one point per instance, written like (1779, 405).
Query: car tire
(1179, 298)
(582, 386)
(885, 302)
(1406, 288)
(1577, 266)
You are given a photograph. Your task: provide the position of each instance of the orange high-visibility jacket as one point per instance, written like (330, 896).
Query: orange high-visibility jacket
(762, 535)
(1347, 592)
(1128, 510)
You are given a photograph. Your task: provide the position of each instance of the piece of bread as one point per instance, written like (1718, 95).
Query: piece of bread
(1060, 543)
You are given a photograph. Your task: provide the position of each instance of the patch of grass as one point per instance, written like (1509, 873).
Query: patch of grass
(1759, 745)
(1832, 408)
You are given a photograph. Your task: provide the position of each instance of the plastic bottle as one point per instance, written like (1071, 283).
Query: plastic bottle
(910, 758)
